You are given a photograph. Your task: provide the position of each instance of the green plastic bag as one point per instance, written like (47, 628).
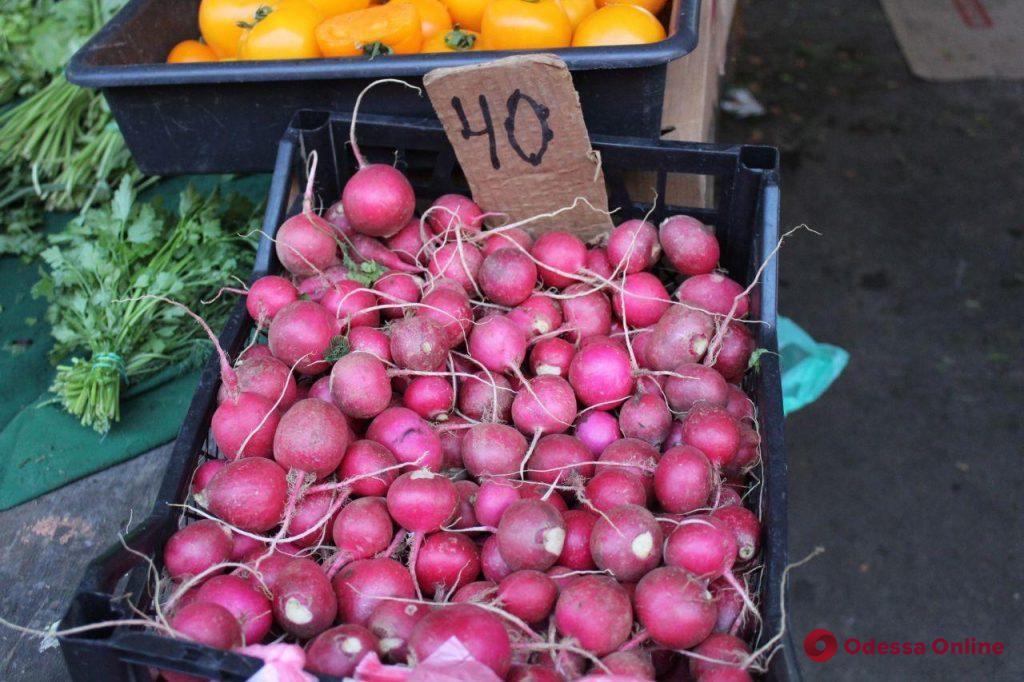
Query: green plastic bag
(808, 367)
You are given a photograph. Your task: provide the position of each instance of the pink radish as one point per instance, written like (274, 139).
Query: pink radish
(244, 600)
(675, 607)
(360, 385)
(362, 529)
(704, 546)
(365, 457)
(641, 300)
(497, 344)
(465, 517)
(560, 255)
(352, 305)
(397, 288)
(726, 648)
(493, 450)
(421, 501)
(268, 377)
(315, 286)
(378, 200)
(410, 439)
(493, 498)
(531, 534)
(486, 397)
(195, 548)
(542, 492)
(392, 622)
(305, 243)
(528, 595)
(512, 237)
(553, 414)
(300, 334)
(626, 541)
(587, 313)
(558, 457)
(692, 383)
(313, 511)
(372, 341)
(451, 433)
(634, 664)
(448, 307)
(597, 430)
(597, 262)
(459, 262)
(268, 295)
(312, 436)
(734, 353)
(714, 293)
(430, 397)
(454, 211)
(206, 471)
(675, 436)
(683, 480)
(646, 417)
(481, 590)
(335, 215)
(507, 276)
(680, 335)
(601, 375)
(746, 528)
(641, 456)
(254, 352)
(206, 623)
(418, 343)
(365, 249)
(362, 585)
(533, 673)
(249, 494)
(445, 562)
(407, 243)
(339, 650)
(613, 487)
(303, 599)
(633, 246)
(245, 425)
(689, 245)
(481, 633)
(748, 453)
(539, 314)
(739, 405)
(267, 566)
(733, 616)
(714, 432)
(493, 565)
(579, 525)
(596, 611)
(552, 356)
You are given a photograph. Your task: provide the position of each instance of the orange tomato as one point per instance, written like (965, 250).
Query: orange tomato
(394, 28)
(456, 40)
(525, 25)
(282, 31)
(330, 8)
(467, 13)
(434, 18)
(652, 6)
(577, 10)
(191, 51)
(618, 25)
(218, 23)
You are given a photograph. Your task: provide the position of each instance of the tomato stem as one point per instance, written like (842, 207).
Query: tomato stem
(376, 49)
(459, 40)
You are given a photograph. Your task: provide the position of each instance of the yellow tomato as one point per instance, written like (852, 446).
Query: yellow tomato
(393, 28)
(618, 25)
(282, 31)
(525, 25)
(456, 40)
(330, 8)
(652, 6)
(434, 17)
(218, 23)
(190, 51)
(577, 10)
(467, 13)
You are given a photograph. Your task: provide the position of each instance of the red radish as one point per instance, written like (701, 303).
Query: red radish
(305, 244)
(206, 623)
(267, 566)
(641, 300)
(597, 430)
(634, 664)
(244, 600)
(689, 245)
(196, 548)
(562, 575)
(352, 305)
(692, 383)
(268, 295)
(714, 432)
(365, 249)
(249, 494)
(727, 496)
(206, 471)
(633, 246)
(680, 335)
(339, 650)
(493, 450)
(300, 334)
(445, 562)
(748, 452)
(614, 486)
(430, 397)
(493, 498)
(408, 242)
(531, 534)
(481, 633)
(303, 600)
(727, 649)
(507, 276)
(397, 288)
(540, 491)
(408, 437)
(745, 528)
(596, 611)
(418, 343)
(533, 673)
(335, 215)
(579, 525)
(378, 199)
(646, 417)
(558, 457)
(312, 436)
(465, 517)
(497, 344)
(714, 293)
(451, 433)
(254, 352)
(739, 405)
(481, 590)
(367, 457)
(493, 565)
(512, 237)
(487, 397)
(587, 313)
(528, 595)
(312, 511)
(641, 456)
(362, 585)
(459, 262)
(315, 286)
(732, 613)
(448, 307)
(362, 529)
(360, 385)
(601, 375)
(392, 622)
(372, 341)
(704, 546)
(627, 542)
(552, 356)
(539, 314)
(675, 436)
(560, 254)
(683, 480)
(555, 411)
(675, 607)
(597, 262)
(454, 211)
(245, 426)
(422, 501)
(734, 353)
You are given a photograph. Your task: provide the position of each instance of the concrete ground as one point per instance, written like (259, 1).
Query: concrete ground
(908, 470)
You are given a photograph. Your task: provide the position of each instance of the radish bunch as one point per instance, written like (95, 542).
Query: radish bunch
(524, 443)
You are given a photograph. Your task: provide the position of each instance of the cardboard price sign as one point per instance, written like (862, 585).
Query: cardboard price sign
(518, 132)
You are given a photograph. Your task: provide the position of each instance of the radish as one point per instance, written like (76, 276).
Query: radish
(418, 343)
(195, 548)
(370, 340)
(206, 623)
(422, 501)
(559, 254)
(268, 295)
(732, 614)
(362, 585)
(364, 249)
(493, 450)
(646, 417)
(613, 487)
(392, 622)
(408, 437)
(558, 457)
(314, 287)
(683, 480)
(528, 595)
(448, 307)
(675, 436)
(641, 300)
(597, 430)
(675, 607)
(689, 245)
(300, 334)
(714, 293)
(587, 312)
(445, 562)
(481, 590)
(748, 452)
(407, 243)
(601, 375)
(555, 411)
(596, 611)
(321, 390)
(459, 262)
(378, 200)
(465, 517)
(626, 541)
(543, 492)
(339, 650)
(552, 356)
(531, 534)
(360, 385)
(692, 383)
(267, 566)
(254, 352)
(533, 673)
(482, 634)
(579, 525)
(493, 498)
(507, 276)
(352, 305)
(312, 436)
(451, 433)
(497, 344)
(539, 314)
(206, 471)
(680, 335)
(734, 353)
(746, 529)
(249, 494)
(714, 432)
(728, 650)
(512, 237)
(486, 397)
(705, 546)
(362, 529)
(430, 397)
(244, 600)
(493, 565)
(305, 242)
(634, 664)
(303, 599)
(642, 457)
(633, 246)
(398, 288)
(312, 511)
(728, 496)
(367, 457)
(597, 262)
(739, 405)
(335, 215)
(454, 211)
(244, 426)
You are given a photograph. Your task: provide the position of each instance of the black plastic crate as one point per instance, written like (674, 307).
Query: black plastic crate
(226, 116)
(745, 216)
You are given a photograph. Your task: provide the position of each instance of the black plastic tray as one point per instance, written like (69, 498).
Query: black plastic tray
(226, 116)
(745, 217)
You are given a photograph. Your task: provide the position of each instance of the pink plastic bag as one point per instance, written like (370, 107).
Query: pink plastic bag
(451, 662)
(282, 663)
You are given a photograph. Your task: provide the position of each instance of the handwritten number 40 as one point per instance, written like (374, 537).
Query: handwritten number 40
(539, 110)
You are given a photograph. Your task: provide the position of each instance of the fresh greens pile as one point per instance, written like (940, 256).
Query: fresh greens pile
(101, 267)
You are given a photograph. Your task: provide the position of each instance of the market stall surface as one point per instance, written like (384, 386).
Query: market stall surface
(908, 470)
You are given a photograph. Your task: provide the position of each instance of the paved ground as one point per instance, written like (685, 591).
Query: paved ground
(908, 471)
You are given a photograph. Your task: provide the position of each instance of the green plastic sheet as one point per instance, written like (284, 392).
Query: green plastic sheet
(808, 367)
